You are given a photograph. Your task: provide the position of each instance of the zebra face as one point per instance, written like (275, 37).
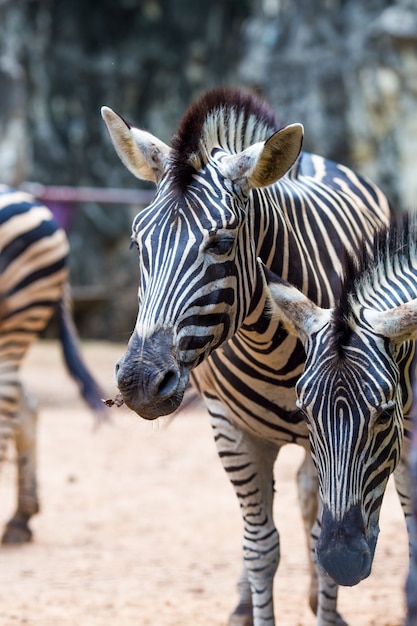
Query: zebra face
(193, 290)
(198, 267)
(352, 393)
(352, 404)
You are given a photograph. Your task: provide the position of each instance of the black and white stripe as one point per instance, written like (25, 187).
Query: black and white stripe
(231, 190)
(356, 393)
(33, 284)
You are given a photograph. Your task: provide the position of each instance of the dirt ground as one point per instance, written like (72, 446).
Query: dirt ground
(140, 527)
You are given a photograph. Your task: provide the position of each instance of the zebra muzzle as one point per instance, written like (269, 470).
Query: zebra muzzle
(342, 549)
(150, 380)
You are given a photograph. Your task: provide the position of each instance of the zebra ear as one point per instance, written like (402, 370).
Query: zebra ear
(265, 162)
(286, 303)
(398, 324)
(143, 154)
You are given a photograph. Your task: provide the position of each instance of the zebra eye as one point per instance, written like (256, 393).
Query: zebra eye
(385, 414)
(134, 244)
(220, 244)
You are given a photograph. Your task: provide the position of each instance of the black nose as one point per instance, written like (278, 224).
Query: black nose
(342, 550)
(149, 377)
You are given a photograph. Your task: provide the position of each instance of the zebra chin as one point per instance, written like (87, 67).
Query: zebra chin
(342, 551)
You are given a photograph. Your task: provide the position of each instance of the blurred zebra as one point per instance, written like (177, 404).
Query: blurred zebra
(233, 187)
(33, 284)
(355, 394)
(411, 585)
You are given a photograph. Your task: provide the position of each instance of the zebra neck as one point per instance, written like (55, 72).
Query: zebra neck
(275, 238)
(258, 329)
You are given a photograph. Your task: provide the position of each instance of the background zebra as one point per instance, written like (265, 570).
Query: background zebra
(202, 295)
(33, 284)
(356, 393)
(411, 586)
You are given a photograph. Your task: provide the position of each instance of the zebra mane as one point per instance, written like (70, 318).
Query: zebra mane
(380, 278)
(222, 118)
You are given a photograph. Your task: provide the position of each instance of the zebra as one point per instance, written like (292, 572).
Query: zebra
(235, 186)
(33, 284)
(411, 583)
(355, 393)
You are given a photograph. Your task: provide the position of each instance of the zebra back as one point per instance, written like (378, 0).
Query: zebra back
(34, 285)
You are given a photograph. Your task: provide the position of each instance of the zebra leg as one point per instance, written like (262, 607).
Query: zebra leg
(403, 485)
(308, 498)
(327, 614)
(17, 529)
(326, 610)
(243, 613)
(402, 478)
(249, 463)
(323, 590)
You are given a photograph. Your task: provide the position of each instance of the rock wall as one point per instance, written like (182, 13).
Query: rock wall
(145, 58)
(346, 69)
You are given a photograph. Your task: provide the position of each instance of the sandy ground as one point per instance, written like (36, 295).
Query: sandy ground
(140, 527)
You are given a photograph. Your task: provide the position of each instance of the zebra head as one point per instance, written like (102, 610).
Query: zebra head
(198, 269)
(352, 394)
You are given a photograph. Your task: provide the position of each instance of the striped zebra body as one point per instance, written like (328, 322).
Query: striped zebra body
(228, 193)
(275, 359)
(33, 284)
(411, 584)
(356, 395)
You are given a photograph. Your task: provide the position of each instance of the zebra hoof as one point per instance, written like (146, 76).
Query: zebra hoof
(16, 533)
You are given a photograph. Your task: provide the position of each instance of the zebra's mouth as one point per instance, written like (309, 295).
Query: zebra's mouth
(156, 408)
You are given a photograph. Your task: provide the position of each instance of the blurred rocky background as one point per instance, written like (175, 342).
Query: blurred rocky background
(346, 69)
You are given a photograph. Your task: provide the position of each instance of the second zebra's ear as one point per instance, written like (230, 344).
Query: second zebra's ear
(289, 305)
(265, 162)
(143, 154)
(398, 324)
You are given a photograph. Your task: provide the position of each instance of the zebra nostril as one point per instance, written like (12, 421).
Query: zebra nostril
(121, 375)
(167, 384)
